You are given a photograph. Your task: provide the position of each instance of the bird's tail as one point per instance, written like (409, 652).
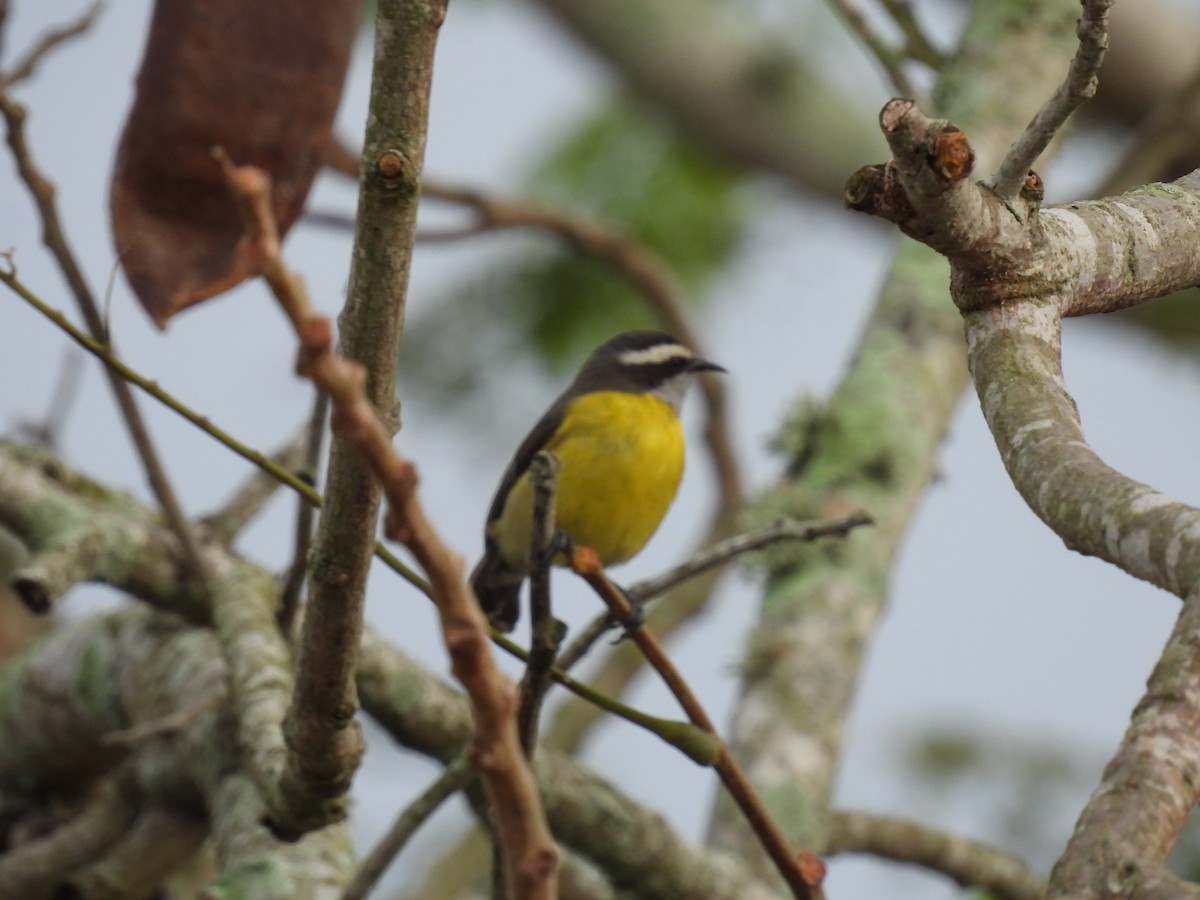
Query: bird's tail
(498, 587)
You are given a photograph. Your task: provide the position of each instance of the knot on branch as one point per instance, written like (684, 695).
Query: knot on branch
(993, 244)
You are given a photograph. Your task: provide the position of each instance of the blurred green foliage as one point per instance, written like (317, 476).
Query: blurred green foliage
(622, 165)
(625, 166)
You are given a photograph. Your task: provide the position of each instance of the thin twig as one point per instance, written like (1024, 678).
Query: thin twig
(457, 775)
(107, 356)
(289, 602)
(711, 557)
(547, 631)
(55, 240)
(917, 43)
(740, 544)
(173, 724)
(248, 499)
(66, 387)
(28, 63)
(891, 59)
(803, 872)
(1078, 87)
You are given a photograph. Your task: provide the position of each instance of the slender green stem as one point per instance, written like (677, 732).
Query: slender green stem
(248, 453)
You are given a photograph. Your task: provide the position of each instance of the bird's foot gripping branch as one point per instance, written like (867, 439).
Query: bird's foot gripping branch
(1017, 269)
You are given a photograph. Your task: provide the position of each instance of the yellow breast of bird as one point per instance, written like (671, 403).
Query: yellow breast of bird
(622, 459)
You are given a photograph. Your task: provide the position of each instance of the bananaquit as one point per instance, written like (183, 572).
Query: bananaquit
(616, 433)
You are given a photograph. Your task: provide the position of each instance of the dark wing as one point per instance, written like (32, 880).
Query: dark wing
(496, 582)
(537, 438)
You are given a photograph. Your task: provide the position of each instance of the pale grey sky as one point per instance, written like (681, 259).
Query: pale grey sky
(992, 624)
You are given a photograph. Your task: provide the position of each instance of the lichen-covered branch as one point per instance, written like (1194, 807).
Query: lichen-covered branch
(160, 841)
(1134, 817)
(1014, 352)
(41, 504)
(1016, 271)
(873, 444)
(1080, 258)
(34, 869)
(422, 712)
(631, 844)
(65, 705)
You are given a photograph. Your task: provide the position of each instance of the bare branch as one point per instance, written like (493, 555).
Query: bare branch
(891, 59)
(802, 871)
(1134, 817)
(37, 868)
(741, 544)
(1089, 257)
(289, 603)
(970, 863)
(457, 776)
(248, 499)
(710, 558)
(66, 387)
(27, 64)
(1078, 87)
(324, 740)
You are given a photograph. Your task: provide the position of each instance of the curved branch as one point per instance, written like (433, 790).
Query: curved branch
(874, 443)
(1014, 358)
(38, 867)
(1015, 277)
(970, 863)
(61, 702)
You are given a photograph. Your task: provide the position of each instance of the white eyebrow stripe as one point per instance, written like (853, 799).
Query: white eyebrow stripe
(659, 353)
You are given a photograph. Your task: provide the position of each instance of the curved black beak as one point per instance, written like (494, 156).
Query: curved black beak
(700, 364)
